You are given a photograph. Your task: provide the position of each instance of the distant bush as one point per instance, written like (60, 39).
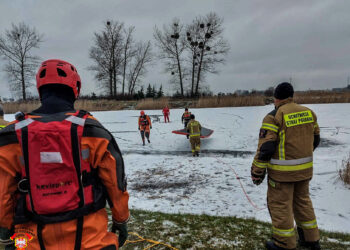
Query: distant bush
(344, 172)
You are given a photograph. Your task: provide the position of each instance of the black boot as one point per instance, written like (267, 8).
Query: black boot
(315, 245)
(271, 245)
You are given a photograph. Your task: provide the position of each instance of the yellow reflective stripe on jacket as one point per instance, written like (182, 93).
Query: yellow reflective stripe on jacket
(2, 126)
(269, 126)
(307, 224)
(281, 150)
(298, 118)
(194, 135)
(290, 167)
(260, 164)
(283, 232)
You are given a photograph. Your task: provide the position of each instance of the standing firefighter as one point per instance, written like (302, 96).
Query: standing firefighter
(194, 130)
(166, 113)
(287, 138)
(144, 126)
(3, 123)
(58, 166)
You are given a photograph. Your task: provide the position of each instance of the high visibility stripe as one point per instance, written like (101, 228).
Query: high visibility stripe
(260, 164)
(282, 155)
(283, 232)
(194, 135)
(76, 120)
(307, 224)
(291, 162)
(22, 124)
(290, 168)
(269, 126)
(2, 126)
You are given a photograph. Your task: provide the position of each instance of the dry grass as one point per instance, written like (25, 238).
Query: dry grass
(344, 172)
(90, 105)
(310, 97)
(229, 101)
(13, 107)
(150, 103)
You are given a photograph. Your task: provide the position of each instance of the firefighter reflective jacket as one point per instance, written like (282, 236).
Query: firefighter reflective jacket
(3, 123)
(144, 123)
(194, 128)
(56, 170)
(287, 138)
(186, 116)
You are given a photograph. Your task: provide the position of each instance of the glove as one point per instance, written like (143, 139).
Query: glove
(258, 178)
(151, 127)
(123, 232)
(139, 128)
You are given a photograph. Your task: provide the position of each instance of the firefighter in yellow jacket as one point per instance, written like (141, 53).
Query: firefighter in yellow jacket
(288, 136)
(3, 123)
(194, 130)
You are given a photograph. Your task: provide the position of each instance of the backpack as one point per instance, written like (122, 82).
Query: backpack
(57, 183)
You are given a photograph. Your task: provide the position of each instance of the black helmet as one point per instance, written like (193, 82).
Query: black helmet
(192, 116)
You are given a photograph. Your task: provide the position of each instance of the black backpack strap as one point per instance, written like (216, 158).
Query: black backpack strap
(40, 227)
(79, 233)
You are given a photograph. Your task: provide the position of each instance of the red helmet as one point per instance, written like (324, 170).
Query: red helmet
(142, 112)
(58, 72)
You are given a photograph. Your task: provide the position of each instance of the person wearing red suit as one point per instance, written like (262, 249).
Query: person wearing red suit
(166, 113)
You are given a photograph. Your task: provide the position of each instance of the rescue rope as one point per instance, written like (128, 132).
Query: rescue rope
(240, 182)
(141, 239)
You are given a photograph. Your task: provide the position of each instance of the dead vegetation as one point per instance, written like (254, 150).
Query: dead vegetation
(310, 97)
(307, 97)
(344, 172)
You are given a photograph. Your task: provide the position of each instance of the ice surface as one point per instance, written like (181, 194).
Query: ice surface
(163, 176)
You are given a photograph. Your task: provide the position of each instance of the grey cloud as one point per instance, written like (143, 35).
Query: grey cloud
(270, 40)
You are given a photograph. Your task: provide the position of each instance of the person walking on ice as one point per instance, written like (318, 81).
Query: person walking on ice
(145, 125)
(166, 113)
(194, 130)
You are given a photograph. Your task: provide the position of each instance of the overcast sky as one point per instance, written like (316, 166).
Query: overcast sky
(271, 41)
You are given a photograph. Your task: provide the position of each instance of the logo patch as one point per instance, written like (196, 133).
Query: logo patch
(21, 239)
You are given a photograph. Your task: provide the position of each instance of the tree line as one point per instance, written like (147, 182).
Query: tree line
(119, 62)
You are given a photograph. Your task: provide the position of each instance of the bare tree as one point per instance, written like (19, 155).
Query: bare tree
(142, 58)
(207, 47)
(171, 44)
(128, 52)
(15, 48)
(106, 54)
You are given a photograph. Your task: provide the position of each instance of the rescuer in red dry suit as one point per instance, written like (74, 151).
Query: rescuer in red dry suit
(166, 113)
(145, 126)
(58, 167)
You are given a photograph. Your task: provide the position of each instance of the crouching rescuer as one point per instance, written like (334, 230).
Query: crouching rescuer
(58, 167)
(287, 138)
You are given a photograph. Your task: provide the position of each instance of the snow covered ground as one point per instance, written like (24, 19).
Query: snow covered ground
(163, 176)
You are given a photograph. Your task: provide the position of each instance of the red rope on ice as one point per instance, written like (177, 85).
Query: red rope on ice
(239, 180)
